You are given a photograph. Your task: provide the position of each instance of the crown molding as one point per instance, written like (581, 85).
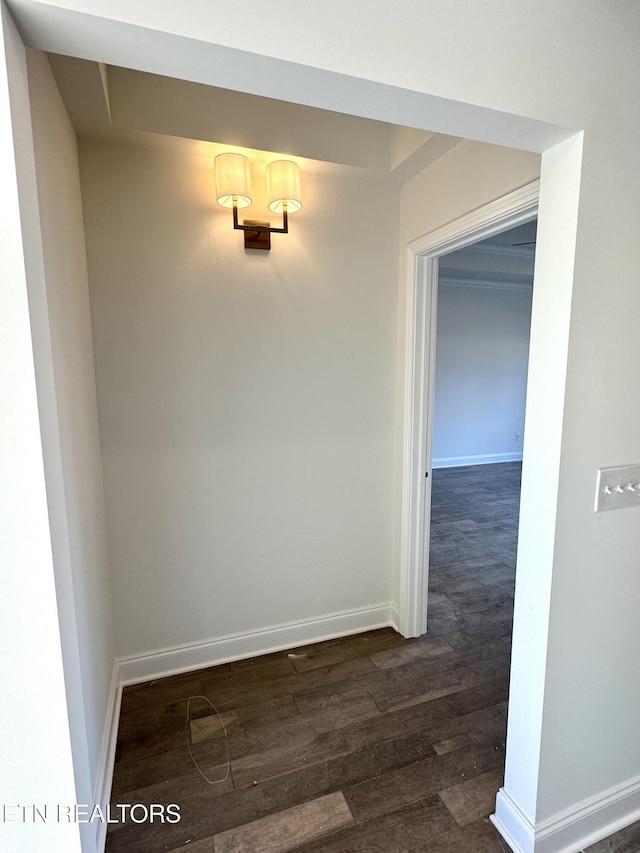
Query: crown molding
(453, 281)
(491, 249)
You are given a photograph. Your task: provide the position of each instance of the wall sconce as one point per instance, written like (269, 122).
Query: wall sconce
(233, 189)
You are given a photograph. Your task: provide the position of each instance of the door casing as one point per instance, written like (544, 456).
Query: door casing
(513, 209)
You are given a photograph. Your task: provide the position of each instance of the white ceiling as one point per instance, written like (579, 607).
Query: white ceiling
(121, 105)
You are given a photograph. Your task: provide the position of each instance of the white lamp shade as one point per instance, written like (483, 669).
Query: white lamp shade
(233, 180)
(283, 184)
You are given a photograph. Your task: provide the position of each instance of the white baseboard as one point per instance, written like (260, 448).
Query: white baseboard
(104, 774)
(479, 459)
(571, 830)
(512, 824)
(395, 617)
(170, 661)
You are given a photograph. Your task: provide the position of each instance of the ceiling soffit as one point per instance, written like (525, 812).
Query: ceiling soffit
(119, 104)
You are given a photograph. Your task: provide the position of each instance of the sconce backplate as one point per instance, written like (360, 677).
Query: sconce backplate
(257, 239)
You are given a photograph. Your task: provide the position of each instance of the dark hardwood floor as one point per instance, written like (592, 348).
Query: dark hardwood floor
(365, 744)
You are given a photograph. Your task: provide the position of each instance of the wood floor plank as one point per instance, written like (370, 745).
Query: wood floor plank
(393, 832)
(206, 812)
(344, 649)
(156, 730)
(418, 649)
(488, 727)
(408, 784)
(252, 718)
(287, 830)
(203, 846)
(422, 717)
(271, 734)
(414, 690)
(337, 712)
(481, 837)
(303, 752)
(160, 692)
(234, 694)
(131, 775)
(473, 799)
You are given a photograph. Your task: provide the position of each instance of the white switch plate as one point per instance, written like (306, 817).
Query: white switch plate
(617, 487)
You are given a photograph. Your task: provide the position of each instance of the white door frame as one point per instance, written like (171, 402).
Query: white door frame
(421, 300)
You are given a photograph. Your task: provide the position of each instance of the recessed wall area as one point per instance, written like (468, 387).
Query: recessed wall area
(247, 403)
(246, 398)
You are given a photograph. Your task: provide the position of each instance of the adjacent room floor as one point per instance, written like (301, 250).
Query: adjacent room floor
(357, 745)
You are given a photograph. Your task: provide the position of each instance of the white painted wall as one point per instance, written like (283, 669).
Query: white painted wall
(526, 74)
(482, 348)
(464, 179)
(36, 764)
(66, 387)
(246, 400)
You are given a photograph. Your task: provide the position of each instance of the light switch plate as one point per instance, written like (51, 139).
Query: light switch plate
(617, 488)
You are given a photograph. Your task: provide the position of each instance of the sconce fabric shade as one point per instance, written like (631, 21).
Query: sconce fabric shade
(283, 184)
(233, 178)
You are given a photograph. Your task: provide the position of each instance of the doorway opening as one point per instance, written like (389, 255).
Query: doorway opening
(514, 209)
(482, 349)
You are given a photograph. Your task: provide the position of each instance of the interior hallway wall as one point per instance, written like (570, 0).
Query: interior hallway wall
(245, 399)
(67, 400)
(482, 351)
(36, 707)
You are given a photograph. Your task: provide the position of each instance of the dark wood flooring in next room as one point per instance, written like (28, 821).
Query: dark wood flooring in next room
(366, 744)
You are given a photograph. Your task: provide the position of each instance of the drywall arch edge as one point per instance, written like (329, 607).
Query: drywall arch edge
(63, 26)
